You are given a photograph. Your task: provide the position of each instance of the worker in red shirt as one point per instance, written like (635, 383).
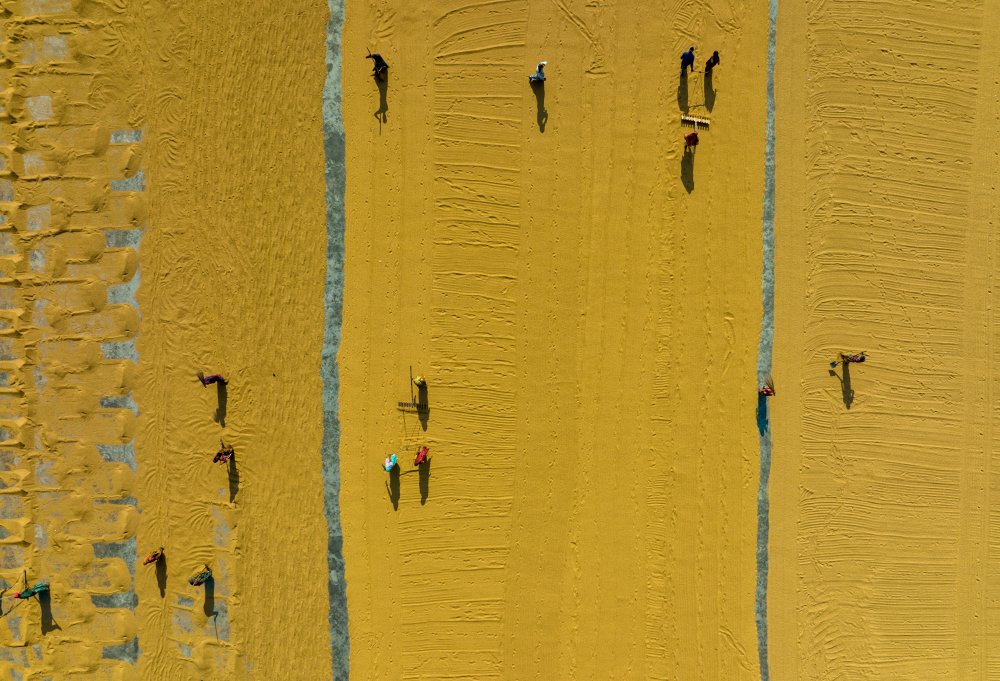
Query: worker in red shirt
(209, 380)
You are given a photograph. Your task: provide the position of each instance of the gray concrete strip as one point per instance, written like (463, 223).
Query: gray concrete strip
(333, 143)
(764, 356)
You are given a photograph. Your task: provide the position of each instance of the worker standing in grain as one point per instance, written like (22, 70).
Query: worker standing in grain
(379, 66)
(33, 591)
(712, 62)
(201, 577)
(224, 454)
(209, 380)
(859, 358)
(687, 61)
(539, 75)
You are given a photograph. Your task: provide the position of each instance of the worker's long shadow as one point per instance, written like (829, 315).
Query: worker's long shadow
(541, 114)
(709, 92)
(48, 624)
(220, 412)
(682, 92)
(161, 575)
(687, 170)
(383, 99)
(234, 479)
(393, 487)
(845, 384)
(424, 471)
(209, 606)
(761, 414)
(423, 406)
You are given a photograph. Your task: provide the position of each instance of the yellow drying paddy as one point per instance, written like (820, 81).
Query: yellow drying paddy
(177, 146)
(588, 329)
(884, 519)
(582, 298)
(237, 272)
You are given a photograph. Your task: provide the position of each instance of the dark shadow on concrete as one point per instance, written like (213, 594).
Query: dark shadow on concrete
(682, 93)
(209, 606)
(541, 114)
(423, 406)
(424, 471)
(161, 575)
(687, 170)
(382, 115)
(709, 91)
(45, 601)
(762, 423)
(222, 390)
(847, 392)
(393, 487)
(234, 479)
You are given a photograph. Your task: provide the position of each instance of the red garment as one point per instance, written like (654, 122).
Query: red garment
(421, 456)
(691, 139)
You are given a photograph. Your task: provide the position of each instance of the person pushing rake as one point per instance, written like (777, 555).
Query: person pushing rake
(26, 593)
(691, 139)
(33, 591)
(379, 65)
(850, 359)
